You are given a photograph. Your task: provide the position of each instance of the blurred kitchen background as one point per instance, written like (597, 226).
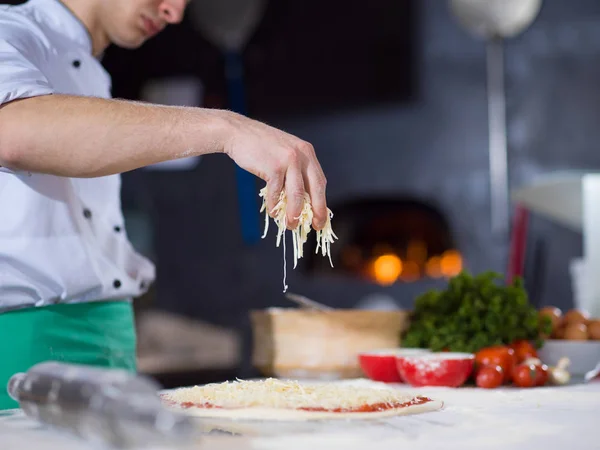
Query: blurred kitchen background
(394, 96)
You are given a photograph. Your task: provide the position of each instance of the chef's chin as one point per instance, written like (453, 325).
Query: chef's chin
(132, 41)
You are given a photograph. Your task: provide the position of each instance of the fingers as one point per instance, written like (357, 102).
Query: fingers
(315, 186)
(274, 189)
(294, 190)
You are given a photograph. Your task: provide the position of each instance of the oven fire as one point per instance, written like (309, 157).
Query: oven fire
(389, 268)
(391, 241)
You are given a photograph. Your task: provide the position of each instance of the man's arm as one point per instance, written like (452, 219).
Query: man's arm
(89, 137)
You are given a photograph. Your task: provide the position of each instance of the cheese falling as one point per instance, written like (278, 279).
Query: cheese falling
(325, 237)
(280, 394)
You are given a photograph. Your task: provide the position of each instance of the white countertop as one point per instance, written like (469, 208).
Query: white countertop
(546, 418)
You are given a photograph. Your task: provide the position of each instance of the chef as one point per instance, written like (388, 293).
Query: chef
(67, 269)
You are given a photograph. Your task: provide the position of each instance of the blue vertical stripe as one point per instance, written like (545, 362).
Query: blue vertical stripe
(246, 182)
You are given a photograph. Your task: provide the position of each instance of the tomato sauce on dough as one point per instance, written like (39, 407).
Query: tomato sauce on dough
(375, 407)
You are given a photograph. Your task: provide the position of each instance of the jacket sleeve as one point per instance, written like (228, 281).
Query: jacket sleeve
(22, 53)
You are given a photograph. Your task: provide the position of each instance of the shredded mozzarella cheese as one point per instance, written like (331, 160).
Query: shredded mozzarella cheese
(325, 237)
(280, 394)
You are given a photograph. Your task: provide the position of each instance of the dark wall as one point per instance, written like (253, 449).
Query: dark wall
(436, 149)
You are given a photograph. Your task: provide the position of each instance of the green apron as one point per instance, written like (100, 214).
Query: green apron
(95, 333)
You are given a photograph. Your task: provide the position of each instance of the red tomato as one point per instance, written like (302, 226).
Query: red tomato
(497, 356)
(489, 377)
(541, 375)
(523, 350)
(525, 375)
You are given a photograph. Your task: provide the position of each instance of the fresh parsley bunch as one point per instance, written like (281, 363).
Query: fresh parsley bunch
(474, 312)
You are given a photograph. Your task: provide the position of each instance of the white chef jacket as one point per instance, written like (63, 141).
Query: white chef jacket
(62, 240)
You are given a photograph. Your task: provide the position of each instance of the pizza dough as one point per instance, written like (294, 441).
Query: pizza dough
(273, 399)
(299, 415)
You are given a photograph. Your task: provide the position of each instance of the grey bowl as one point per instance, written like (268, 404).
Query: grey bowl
(584, 355)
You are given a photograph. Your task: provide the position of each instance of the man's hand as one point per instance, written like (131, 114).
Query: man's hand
(283, 161)
(92, 137)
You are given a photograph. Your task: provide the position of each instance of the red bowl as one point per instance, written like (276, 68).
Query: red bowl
(436, 369)
(380, 365)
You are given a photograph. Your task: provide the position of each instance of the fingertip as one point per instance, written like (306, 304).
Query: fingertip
(291, 222)
(274, 189)
(271, 208)
(319, 217)
(293, 213)
(295, 206)
(272, 202)
(318, 224)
